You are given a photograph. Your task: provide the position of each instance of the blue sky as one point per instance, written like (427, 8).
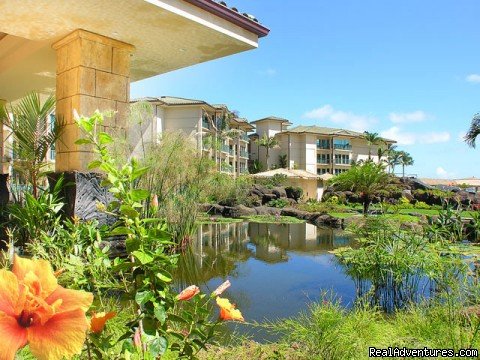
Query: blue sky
(409, 70)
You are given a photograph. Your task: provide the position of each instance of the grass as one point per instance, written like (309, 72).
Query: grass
(204, 218)
(271, 219)
(328, 331)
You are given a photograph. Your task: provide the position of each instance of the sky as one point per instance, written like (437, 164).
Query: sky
(408, 70)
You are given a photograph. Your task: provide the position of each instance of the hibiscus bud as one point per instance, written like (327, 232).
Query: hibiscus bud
(188, 293)
(219, 290)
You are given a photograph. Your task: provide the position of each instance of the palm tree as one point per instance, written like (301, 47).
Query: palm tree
(473, 131)
(33, 134)
(394, 158)
(372, 139)
(405, 160)
(365, 179)
(381, 152)
(268, 143)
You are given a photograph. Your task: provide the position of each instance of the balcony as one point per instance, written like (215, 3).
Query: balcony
(244, 154)
(343, 162)
(225, 148)
(231, 151)
(323, 161)
(323, 147)
(244, 137)
(205, 124)
(244, 171)
(342, 146)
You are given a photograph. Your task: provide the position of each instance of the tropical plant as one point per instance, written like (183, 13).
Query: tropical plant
(33, 135)
(405, 160)
(473, 131)
(255, 167)
(394, 159)
(372, 139)
(268, 143)
(282, 161)
(294, 192)
(366, 180)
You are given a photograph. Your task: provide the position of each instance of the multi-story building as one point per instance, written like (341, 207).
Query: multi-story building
(313, 148)
(218, 132)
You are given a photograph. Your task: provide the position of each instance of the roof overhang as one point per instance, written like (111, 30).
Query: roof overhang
(167, 35)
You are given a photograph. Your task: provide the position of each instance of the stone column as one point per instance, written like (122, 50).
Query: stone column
(3, 134)
(93, 72)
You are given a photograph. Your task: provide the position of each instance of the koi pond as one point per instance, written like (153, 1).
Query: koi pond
(276, 270)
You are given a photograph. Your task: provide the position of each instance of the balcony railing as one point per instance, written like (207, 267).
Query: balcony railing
(342, 147)
(244, 137)
(323, 147)
(231, 151)
(343, 162)
(225, 148)
(323, 161)
(243, 171)
(205, 124)
(243, 154)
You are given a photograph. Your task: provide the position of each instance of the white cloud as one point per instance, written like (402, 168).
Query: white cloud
(409, 138)
(415, 116)
(346, 119)
(473, 78)
(444, 174)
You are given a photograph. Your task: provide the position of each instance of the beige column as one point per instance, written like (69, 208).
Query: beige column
(3, 134)
(93, 72)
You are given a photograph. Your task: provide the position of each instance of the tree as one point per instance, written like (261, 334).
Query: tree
(381, 152)
(372, 139)
(33, 135)
(268, 143)
(282, 161)
(365, 179)
(393, 159)
(405, 160)
(473, 131)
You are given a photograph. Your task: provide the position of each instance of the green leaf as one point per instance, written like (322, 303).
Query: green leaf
(142, 297)
(164, 276)
(104, 138)
(160, 313)
(121, 230)
(83, 142)
(176, 318)
(94, 164)
(132, 244)
(85, 125)
(139, 194)
(136, 173)
(158, 346)
(128, 211)
(143, 257)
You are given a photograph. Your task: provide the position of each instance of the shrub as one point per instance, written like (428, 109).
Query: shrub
(422, 205)
(294, 192)
(278, 203)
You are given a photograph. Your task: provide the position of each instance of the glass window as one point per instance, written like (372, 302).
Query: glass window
(342, 144)
(323, 143)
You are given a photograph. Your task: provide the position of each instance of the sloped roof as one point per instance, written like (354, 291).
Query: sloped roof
(320, 130)
(173, 100)
(274, 118)
(471, 181)
(290, 173)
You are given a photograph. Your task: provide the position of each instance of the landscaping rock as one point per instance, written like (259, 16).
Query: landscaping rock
(279, 192)
(408, 194)
(266, 210)
(299, 214)
(267, 198)
(238, 211)
(330, 221)
(212, 209)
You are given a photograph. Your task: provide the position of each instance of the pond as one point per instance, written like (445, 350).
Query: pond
(276, 270)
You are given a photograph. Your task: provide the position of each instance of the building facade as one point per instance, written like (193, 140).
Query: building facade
(316, 149)
(217, 131)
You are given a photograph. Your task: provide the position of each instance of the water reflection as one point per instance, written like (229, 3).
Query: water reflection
(275, 269)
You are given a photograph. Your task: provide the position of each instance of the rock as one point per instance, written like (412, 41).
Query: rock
(407, 194)
(267, 198)
(212, 209)
(279, 192)
(299, 214)
(266, 210)
(239, 211)
(330, 221)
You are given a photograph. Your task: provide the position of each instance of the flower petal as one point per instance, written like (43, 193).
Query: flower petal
(62, 336)
(12, 335)
(70, 299)
(97, 323)
(8, 292)
(188, 293)
(40, 268)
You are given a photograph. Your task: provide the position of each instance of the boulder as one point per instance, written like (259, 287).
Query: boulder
(212, 209)
(279, 192)
(267, 198)
(330, 221)
(408, 195)
(299, 214)
(266, 210)
(238, 211)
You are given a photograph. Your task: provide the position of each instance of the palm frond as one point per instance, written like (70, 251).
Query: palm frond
(473, 131)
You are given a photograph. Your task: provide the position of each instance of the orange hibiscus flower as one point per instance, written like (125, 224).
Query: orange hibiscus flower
(34, 309)
(228, 311)
(98, 320)
(188, 293)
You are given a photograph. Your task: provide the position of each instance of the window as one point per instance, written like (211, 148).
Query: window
(323, 158)
(339, 171)
(342, 144)
(322, 171)
(323, 144)
(342, 159)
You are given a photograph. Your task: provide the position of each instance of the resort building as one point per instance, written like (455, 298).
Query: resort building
(318, 150)
(218, 132)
